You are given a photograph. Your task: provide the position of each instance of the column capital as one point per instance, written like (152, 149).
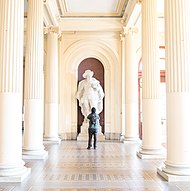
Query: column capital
(51, 29)
(126, 31)
(60, 36)
(122, 36)
(130, 30)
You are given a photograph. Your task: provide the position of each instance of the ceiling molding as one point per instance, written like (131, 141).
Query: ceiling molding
(128, 11)
(51, 13)
(91, 24)
(134, 17)
(91, 9)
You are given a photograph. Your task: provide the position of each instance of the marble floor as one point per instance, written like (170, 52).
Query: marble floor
(114, 166)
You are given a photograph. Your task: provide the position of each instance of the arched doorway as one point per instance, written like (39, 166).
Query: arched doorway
(98, 69)
(69, 65)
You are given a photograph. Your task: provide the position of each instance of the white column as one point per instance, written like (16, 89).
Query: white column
(151, 116)
(51, 89)
(131, 86)
(122, 37)
(177, 42)
(11, 73)
(33, 117)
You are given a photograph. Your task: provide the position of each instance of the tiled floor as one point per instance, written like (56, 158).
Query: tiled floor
(113, 166)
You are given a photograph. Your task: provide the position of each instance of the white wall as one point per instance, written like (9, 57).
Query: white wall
(75, 47)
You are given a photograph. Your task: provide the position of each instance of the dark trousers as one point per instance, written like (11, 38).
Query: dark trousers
(91, 132)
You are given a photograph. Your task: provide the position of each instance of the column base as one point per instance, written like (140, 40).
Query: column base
(84, 137)
(172, 178)
(50, 140)
(15, 178)
(130, 139)
(32, 154)
(151, 154)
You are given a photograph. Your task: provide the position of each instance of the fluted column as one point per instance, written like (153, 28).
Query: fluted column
(131, 85)
(11, 74)
(122, 38)
(51, 88)
(151, 116)
(34, 89)
(177, 43)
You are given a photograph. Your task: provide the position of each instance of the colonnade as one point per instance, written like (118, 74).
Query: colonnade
(177, 43)
(11, 72)
(15, 146)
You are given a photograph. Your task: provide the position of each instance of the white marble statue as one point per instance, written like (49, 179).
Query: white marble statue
(90, 94)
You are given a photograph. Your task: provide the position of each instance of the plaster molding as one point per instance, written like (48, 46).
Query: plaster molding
(51, 29)
(126, 31)
(90, 24)
(51, 13)
(80, 49)
(122, 36)
(130, 30)
(132, 13)
(89, 10)
(128, 11)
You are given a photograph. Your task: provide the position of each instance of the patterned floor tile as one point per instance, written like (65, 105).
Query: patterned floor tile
(6, 188)
(113, 166)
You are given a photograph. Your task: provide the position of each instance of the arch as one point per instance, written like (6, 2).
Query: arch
(70, 60)
(84, 48)
(96, 66)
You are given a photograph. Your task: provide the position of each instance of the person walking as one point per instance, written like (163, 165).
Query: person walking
(93, 127)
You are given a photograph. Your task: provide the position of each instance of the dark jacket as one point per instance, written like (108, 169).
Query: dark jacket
(96, 125)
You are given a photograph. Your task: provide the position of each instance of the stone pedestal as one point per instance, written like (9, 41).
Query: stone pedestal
(83, 135)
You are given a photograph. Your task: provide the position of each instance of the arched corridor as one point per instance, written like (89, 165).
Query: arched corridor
(114, 166)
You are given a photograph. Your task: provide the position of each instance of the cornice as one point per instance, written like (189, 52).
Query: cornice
(91, 24)
(51, 13)
(129, 10)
